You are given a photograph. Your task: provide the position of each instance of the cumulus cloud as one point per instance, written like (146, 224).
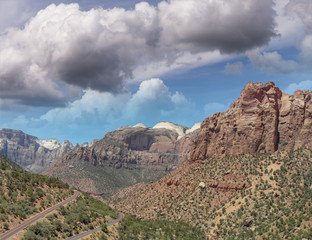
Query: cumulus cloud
(303, 9)
(154, 100)
(295, 25)
(233, 68)
(304, 85)
(289, 27)
(98, 112)
(229, 26)
(18, 13)
(272, 62)
(63, 49)
(306, 51)
(96, 49)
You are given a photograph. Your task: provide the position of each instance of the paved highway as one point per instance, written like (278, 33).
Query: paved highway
(35, 218)
(81, 235)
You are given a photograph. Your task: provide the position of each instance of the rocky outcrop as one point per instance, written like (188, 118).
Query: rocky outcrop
(261, 120)
(30, 152)
(295, 120)
(126, 156)
(157, 148)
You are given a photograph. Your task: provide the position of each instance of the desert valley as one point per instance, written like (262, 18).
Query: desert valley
(155, 119)
(244, 173)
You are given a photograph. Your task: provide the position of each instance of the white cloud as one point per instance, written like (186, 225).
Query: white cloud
(294, 24)
(272, 62)
(306, 51)
(234, 68)
(94, 49)
(229, 26)
(14, 13)
(93, 107)
(153, 100)
(182, 63)
(304, 85)
(303, 9)
(97, 112)
(289, 27)
(63, 47)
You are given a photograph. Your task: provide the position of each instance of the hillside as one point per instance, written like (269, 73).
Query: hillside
(248, 174)
(23, 194)
(81, 215)
(126, 156)
(253, 196)
(31, 153)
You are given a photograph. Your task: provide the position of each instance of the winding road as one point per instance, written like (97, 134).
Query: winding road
(84, 234)
(35, 218)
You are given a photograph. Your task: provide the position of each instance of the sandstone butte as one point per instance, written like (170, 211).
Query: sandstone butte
(156, 149)
(262, 120)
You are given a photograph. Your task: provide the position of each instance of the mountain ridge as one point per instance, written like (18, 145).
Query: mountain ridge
(140, 153)
(246, 171)
(33, 154)
(261, 120)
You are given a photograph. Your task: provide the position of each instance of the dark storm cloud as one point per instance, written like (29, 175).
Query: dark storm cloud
(63, 48)
(229, 26)
(102, 71)
(273, 62)
(23, 84)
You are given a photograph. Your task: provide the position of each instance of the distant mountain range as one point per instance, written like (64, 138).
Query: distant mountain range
(126, 156)
(245, 173)
(31, 153)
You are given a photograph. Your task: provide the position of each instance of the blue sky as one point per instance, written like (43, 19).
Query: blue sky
(76, 70)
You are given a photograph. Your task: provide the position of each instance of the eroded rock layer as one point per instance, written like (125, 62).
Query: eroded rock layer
(31, 153)
(124, 157)
(135, 147)
(261, 120)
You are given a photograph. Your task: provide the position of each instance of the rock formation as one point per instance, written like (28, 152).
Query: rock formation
(261, 120)
(133, 147)
(224, 187)
(30, 152)
(141, 153)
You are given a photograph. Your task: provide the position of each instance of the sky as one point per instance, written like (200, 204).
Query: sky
(75, 70)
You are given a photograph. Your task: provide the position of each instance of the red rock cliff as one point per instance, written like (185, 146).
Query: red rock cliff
(262, 119)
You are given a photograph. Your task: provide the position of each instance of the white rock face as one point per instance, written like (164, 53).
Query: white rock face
(194, 128)
(140, 125)
(91, 143)
(50, 144)
(85, 144)
(172, 126)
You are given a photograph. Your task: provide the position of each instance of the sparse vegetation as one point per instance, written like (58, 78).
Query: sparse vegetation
(274, 204)
(23, 194)
(132, 228)
(262, 196)
(84, 214)
(103, 179)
